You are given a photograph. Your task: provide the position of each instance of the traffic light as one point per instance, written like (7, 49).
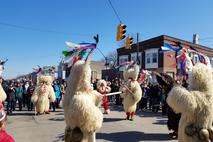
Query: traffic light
(129, 42)
(121, 30)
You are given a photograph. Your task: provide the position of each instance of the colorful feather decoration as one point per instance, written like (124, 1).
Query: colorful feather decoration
(80, 51)
(67, 53)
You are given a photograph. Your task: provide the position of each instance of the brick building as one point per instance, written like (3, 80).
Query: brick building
(151, 59)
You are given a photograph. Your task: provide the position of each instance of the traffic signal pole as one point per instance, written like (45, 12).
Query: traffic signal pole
(138, 61)
(96, 38)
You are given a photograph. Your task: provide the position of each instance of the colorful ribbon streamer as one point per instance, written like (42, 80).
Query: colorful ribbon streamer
(79, 51)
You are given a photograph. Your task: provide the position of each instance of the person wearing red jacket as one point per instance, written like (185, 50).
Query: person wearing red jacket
(4, 137)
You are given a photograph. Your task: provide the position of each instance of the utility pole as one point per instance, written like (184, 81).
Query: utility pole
(138, 60)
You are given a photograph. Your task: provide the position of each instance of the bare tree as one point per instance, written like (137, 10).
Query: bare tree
(111, 59)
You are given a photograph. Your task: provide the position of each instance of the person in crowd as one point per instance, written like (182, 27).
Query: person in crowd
(62, 90)
(109, 98)
(11, 98)
(143, 101)
(155, 93)
(25, 93)
(95, 84)
(115, 88)
(19, 95)
(57, 95)
(163, 101)
(4, 137)
(30, 91)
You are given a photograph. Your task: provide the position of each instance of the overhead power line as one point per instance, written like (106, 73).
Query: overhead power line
(206, 38)
(119, 19)
(39, 30)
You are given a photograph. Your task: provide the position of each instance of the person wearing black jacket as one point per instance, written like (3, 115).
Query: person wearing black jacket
(30, 91)
(11, 100)
(115, 88)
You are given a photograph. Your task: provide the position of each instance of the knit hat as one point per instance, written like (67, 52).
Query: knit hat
(2, 113)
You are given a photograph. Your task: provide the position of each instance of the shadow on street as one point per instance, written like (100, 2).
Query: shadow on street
(57, 119)
(160, 122)
(22, 113)
(59, 138)
(113, 119)
(133, 136)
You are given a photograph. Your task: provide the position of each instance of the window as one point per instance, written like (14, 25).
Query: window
(154, 57)
(122, 59)
(151, 58)
(134, 56)
(211, 61)
(148, 58)
(195, 59)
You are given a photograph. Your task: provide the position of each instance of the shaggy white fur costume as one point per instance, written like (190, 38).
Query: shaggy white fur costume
(104, 89)
(3, 95)
(43, 94)
(195, 105)
(83, 117)
(132, 92)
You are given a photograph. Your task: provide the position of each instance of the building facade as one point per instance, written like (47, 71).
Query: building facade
(96, 70)
(151, 59)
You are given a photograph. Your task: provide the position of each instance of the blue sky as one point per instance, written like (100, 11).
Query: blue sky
(80, 20)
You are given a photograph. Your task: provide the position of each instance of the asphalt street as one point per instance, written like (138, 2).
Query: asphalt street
(24, 126)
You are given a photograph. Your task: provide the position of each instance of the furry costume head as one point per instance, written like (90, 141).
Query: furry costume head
(45, 80)
(131, 72)
(2, 66)
(200, 78)
(43, 83)
(101, 83)
(102, 86)
(80, 76)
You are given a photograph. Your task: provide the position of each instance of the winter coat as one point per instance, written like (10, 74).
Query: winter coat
(11, 94)
(57, 91)
(4, 137)
(19, 92)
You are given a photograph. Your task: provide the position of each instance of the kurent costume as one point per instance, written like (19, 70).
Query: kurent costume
(132, 92)
(3, 95)
(104, 89)
(82, 115)
(43, 94)
(195, 105)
